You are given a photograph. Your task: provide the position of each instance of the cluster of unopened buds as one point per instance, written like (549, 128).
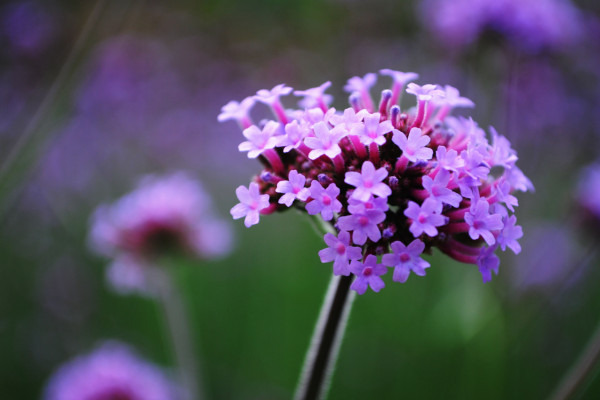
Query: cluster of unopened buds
(391, 182)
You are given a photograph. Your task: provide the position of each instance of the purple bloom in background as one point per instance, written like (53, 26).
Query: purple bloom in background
(112, 371)
(251, 202)
(405, 259)
(424, 218)
(315, 97)
(482, 223)
(163, 214)
(393, 175)
(324, 201)
(238, 111)
(588, 190)
(529, 25)
(29, 25)
(340, 252)
(367, 274)
(272, 96)
(293, 189)
(368, 182)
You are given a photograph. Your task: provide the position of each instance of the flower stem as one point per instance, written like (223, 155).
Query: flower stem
(326, 340)
(579, 373)
(179, 333)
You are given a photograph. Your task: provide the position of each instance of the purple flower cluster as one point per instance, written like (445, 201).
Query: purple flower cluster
(168, 213)
(112, 371)
(530, 25)
(391, 182)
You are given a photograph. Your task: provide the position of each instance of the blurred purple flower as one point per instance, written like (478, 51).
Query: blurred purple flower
(30, 26)
(530, 25)
(112, 371)
(163, 214)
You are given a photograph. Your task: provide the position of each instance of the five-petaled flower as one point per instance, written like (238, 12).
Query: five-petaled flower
(251, 202)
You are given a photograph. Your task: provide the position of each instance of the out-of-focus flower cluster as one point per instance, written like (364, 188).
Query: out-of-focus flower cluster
(530, 25)
(163, 214)
(391, 182)
(112, 371)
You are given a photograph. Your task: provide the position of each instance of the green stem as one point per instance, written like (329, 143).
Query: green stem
(326, 340)
(179, 333)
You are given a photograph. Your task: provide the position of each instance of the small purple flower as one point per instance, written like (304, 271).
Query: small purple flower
(487, 262)
(259, 140)
(400, 78)
(363, 224)
(294, 136)
(424, 218)
(448, 159)
(453, 99)
(324, 201)
(251, 202)
(325, 142)
(315, 97)
(112, 371)
(293, 188)
(425, 92)
(481, 222)
(502, 192)
(373, 131)
(438, 189)
(367, 274)
(510, 234)
(272, 96)
(361, 85)
(340, 252)
(349, 119)
(414, 148)
(405, 259)
(238, 111)
(368, 182)
(356, 206)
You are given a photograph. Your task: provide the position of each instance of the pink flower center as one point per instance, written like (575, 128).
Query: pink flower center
(368, 184)
(368, 271)
(404, 257)
(422, 218)
(437, 191)
(326, 200)
(477, 224)
(296, 190)
(340, 249)
(363, 221)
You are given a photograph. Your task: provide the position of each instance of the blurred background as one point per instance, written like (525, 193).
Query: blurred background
(94, 95)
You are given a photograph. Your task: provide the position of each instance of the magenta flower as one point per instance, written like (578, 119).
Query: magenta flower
(367, 274)
(162, 215)
(272, 96)
(510, 234)
(424, 218)
(372, 131)
(363, 224)
(315, 97)
(340, 252)
(414, 148)
(259, 140)
(323, 201)
(251, 202)
(293, 189)
(237, 111)
(112, 371)
(325, 141)
(392, 175)
(405, 259)
(438, 189)
(482, 223)
(368, 182)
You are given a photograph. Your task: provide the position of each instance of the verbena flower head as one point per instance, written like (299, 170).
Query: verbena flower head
(113, 371)
(394, 183)
(163, 214)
